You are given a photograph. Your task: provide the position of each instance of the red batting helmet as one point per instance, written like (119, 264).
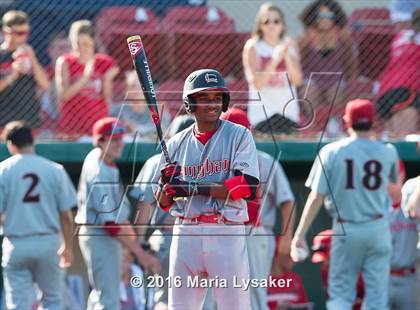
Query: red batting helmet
(236, 116)
(108, 127)
(359, 113)
(321, 246)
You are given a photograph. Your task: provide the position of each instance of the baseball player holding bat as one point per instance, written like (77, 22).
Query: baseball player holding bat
(215, 168)
(103, 213)
(36, 198)
(353, 175)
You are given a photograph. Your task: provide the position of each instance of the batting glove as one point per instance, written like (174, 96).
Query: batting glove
(179, 188)
(169, 172)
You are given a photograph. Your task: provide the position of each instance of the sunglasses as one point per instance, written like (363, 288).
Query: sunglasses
(271, 21)
(17, 32)
(325, 15)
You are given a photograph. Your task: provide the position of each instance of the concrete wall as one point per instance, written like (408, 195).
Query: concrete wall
(243, 12)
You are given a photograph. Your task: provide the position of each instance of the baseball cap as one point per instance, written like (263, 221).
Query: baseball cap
(236, 116)
(359, 111)
(321, 246)
(108, 127)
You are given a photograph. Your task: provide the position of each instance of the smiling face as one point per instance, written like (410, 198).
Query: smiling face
(208, 106)
(17, 34)
(84, 44)
(271, 23)
(325, 18)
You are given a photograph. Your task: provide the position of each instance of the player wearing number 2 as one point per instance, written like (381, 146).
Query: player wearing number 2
(36, 198)
(353, 176)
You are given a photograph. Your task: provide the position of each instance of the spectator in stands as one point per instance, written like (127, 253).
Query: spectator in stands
(292, 295)
(134, 113)
(20, 72)
(326, 49)
(272, 67)
(84, 81)
(398, 100)
(402, 10)
(58, 45)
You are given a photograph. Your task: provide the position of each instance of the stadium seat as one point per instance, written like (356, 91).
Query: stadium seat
(372, 32)
(169, 94)
(115, 24)
(199, 37)
(238, 94)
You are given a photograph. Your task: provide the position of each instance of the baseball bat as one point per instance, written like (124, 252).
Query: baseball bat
(138, 54)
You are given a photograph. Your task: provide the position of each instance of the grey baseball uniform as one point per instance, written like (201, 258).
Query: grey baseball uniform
(275, 190)
(101, 199)
(33, 192)
(353, 174)
(216, 250)
(403, 286)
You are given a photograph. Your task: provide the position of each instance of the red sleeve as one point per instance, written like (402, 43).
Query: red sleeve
(112, 228)
(105, 63)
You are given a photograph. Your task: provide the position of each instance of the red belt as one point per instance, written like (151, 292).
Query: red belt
(208, 218)
(403, 271)
(374, 218)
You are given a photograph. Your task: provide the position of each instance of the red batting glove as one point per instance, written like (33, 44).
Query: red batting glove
(169, 172)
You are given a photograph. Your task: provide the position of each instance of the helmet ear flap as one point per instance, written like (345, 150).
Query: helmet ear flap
(225, 101)
(189, 103)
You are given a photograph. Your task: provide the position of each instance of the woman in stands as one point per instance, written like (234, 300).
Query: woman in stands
(272, 67)
(84, 82)
(326, 50)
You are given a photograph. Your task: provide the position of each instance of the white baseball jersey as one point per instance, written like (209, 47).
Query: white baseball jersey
(143, 190)
(230, 148)
(275, 188)
(354, 173)
(33, 191)
(100, 194)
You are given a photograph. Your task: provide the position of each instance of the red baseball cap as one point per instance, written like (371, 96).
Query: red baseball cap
(321, 246)
(359, 111)
(236, 116)
(108, 127)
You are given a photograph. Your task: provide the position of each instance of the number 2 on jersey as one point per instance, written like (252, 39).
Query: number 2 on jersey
(372, 177)
(30, 196)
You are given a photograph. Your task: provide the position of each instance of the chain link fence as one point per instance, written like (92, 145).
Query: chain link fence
(61, 76)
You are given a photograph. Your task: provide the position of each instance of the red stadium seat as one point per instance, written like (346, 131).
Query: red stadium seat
(238, 94)
(372, 31)
(169, 94)
(199, 37)
(115, 24)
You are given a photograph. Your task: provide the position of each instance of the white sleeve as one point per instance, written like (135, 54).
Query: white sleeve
(281, 187)
(318, 177)
(245, 158)
(143, 190)
(66, 195)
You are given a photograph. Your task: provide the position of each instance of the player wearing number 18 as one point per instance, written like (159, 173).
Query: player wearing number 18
(36, 198)
(354, 176)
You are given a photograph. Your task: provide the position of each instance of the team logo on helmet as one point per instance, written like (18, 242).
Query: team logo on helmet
(211, 77)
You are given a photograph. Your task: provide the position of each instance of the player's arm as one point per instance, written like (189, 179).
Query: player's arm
(67, 230)
(240, 186)
(311, 209)
(144, 214)
(413, 204)
(125, 234)
(288, 220)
